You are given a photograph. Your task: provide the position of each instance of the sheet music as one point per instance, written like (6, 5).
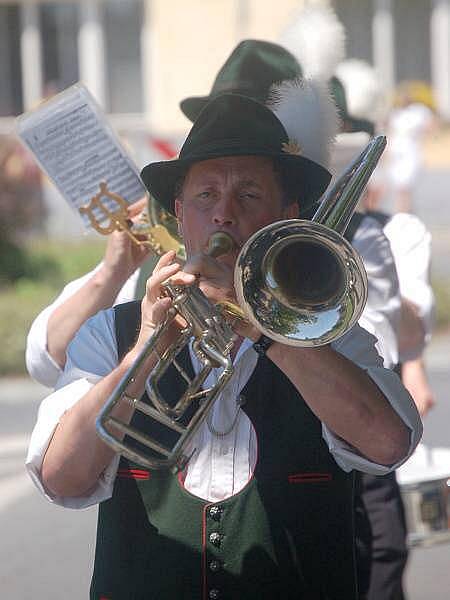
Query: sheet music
(77, 148)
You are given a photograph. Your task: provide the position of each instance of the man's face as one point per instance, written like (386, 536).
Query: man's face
(236, 194)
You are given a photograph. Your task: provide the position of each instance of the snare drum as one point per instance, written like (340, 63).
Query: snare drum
(425, 487)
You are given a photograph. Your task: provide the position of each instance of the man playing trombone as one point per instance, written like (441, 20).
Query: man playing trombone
(264, 506)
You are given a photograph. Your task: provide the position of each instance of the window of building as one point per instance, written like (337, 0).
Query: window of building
(356, 15)
(59, 26)
(10, 67)
(412, 39)
(122, 26)
(59, 29)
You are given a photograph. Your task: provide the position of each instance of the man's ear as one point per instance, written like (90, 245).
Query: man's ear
(291, 211)
(179, 214)
(178, 208)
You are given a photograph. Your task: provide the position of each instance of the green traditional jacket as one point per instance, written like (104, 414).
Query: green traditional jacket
(287, 534)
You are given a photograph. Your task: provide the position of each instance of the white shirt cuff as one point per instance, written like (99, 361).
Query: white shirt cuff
(348, 458)
(50, 412)
(40, 365)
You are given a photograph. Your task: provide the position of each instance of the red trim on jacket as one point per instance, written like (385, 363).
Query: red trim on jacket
(128, 473)
(309, 477)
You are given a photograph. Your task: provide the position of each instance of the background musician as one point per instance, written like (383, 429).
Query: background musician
(411, 247)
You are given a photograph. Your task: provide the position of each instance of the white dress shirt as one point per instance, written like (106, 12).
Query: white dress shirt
(411, 246)
(382, 312)
(407, 127)
(40, 365)
(220, 466)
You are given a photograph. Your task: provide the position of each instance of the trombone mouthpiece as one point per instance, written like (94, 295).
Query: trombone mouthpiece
(219, 243)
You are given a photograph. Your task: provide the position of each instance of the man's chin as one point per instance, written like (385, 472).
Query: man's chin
(228, 259)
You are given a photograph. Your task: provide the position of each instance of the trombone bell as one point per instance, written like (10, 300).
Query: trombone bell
(300, 283)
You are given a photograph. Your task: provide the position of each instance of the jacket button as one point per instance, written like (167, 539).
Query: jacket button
(214, 594)
(215, 512)
(214, 566)
(215, 538)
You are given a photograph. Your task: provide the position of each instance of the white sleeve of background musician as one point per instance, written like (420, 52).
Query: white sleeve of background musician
(90, 356)
(411, 245)
(359, 346)
(382, 311)
(40, 365)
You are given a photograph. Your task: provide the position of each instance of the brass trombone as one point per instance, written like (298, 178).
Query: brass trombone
(299, 282)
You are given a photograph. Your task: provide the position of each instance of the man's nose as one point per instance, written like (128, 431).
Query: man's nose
(224, 211)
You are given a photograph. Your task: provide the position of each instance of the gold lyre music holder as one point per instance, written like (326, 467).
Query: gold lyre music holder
(151, 235)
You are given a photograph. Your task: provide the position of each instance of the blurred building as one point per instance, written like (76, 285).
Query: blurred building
(141, 57)
(403, 39)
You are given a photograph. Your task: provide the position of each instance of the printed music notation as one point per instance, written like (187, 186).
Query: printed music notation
(76, 147)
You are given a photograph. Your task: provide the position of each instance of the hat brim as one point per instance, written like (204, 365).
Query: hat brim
(357, 125)
(308, 179)
(192, 106)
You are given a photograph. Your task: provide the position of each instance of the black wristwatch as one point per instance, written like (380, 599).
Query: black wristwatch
(262, 345)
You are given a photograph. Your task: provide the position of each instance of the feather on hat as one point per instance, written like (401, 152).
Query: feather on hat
(309, 116)
(316, 38)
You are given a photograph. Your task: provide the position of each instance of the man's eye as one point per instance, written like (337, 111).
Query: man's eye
(249, 196)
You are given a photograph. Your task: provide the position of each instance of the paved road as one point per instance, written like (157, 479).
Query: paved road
(428, 572)
(46, 552)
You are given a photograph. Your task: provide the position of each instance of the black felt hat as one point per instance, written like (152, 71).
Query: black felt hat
(234, 125)
(349, 123)
(251, 69)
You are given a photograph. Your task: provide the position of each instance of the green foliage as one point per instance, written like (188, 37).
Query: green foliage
(18, 307)
(441, 290)
(72, 258)
(13, 261)
(45, 268)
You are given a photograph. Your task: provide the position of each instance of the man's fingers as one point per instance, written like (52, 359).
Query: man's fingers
(166, 259)
(165, 272)
(153, 287)
(208, 267)
(160, 308)
(168, 272)
(182, 278)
